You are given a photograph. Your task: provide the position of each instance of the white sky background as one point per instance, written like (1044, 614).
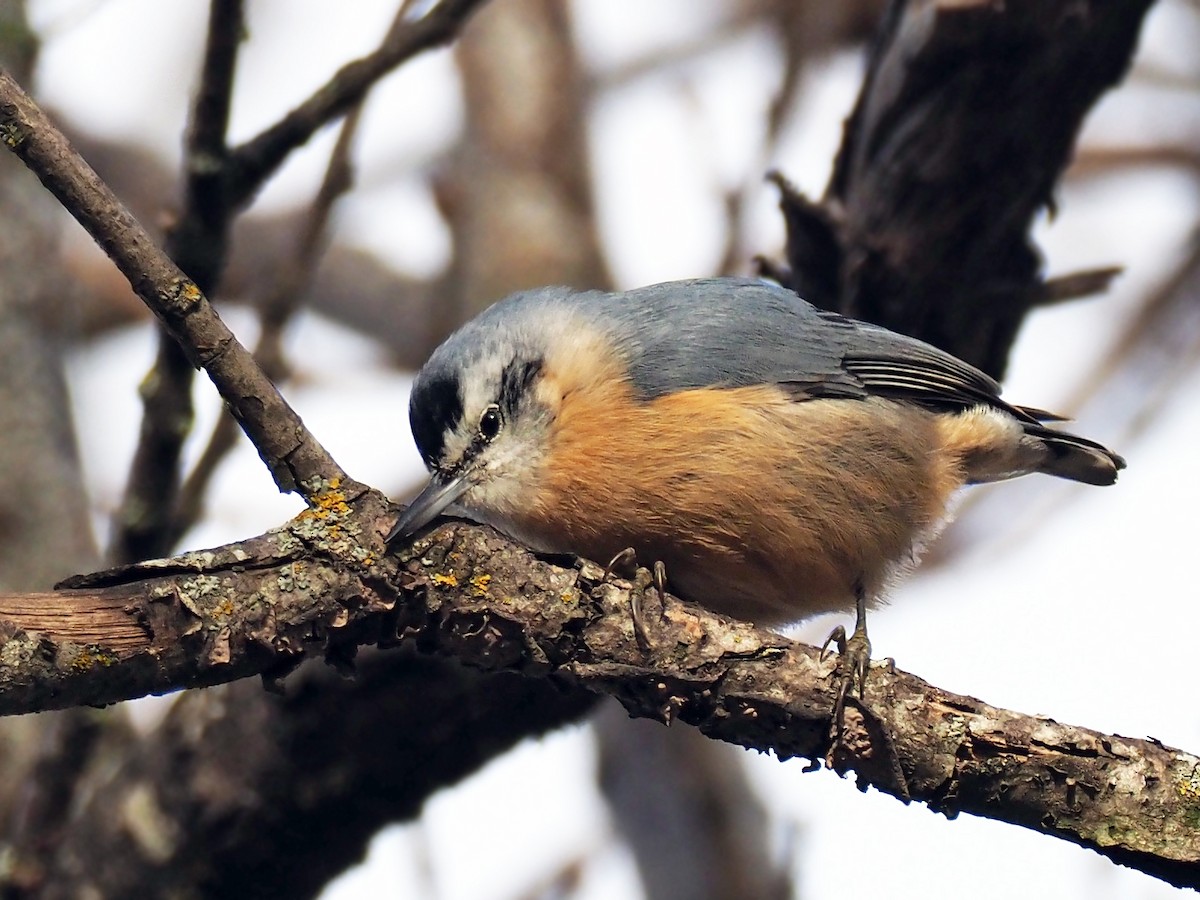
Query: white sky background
(1074, 602)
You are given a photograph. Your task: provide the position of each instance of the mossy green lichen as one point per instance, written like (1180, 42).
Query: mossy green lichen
(328, 524)
(89, 657)
(12, 135)
(1187, 779)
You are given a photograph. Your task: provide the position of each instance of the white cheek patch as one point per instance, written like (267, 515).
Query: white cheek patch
(506, 472)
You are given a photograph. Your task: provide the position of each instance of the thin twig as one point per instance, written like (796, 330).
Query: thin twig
(275, 312)
(220, 182)
(1075, 285)
(256, 159)
(197, 243)
(206, 142)
(1095, 161)
(1155, 349)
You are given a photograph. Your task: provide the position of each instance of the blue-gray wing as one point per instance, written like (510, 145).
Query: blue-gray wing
(739, 332)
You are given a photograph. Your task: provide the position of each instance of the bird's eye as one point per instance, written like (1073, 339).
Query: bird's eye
(490, 422)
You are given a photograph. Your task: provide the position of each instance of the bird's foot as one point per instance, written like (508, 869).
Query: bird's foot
(869, 741)
(854, 662)
(642, 579)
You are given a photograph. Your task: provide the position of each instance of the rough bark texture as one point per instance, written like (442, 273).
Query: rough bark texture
(465, 592)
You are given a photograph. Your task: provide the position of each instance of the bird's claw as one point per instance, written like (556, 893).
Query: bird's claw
(625, 560)
(836, 637)
(854, 662)
(660, 585)
(854, 653)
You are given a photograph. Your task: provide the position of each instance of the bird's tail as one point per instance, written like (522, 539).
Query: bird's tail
(998, 443)
(1077, 458)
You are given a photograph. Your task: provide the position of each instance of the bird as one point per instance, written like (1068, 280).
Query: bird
(781, 460)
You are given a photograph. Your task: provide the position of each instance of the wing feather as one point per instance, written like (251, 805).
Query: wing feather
(739, 332)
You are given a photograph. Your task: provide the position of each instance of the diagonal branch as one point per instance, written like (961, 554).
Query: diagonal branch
(220, 182)
(296, 460)
(255, 160)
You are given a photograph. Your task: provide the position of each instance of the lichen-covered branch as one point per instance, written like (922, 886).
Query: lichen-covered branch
(320, 586)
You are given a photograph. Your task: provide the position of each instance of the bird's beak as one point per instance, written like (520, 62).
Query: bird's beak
(433, 500)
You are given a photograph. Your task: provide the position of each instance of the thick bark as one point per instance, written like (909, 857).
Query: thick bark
(315, 589)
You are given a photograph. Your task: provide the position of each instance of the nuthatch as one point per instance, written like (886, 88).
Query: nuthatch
(782, 461)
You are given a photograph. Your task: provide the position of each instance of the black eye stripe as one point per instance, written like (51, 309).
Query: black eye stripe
(516, 379)
(437, 409)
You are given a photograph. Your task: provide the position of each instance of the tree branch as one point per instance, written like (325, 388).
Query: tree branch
(296, 460)
(254, 160)
(197, 242)
(967, 118)
(316, 588)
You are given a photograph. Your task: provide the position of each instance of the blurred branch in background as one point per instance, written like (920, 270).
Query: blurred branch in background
(517, 190)
(1128, 384)
(240, 793)
(688, 813)
(256, 160)
(1159, 346)
(196, 242)
(275, 311)
(954, 146)
(44, 518)
(44, 522)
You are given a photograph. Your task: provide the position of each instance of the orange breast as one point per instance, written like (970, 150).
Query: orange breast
(761, 507)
